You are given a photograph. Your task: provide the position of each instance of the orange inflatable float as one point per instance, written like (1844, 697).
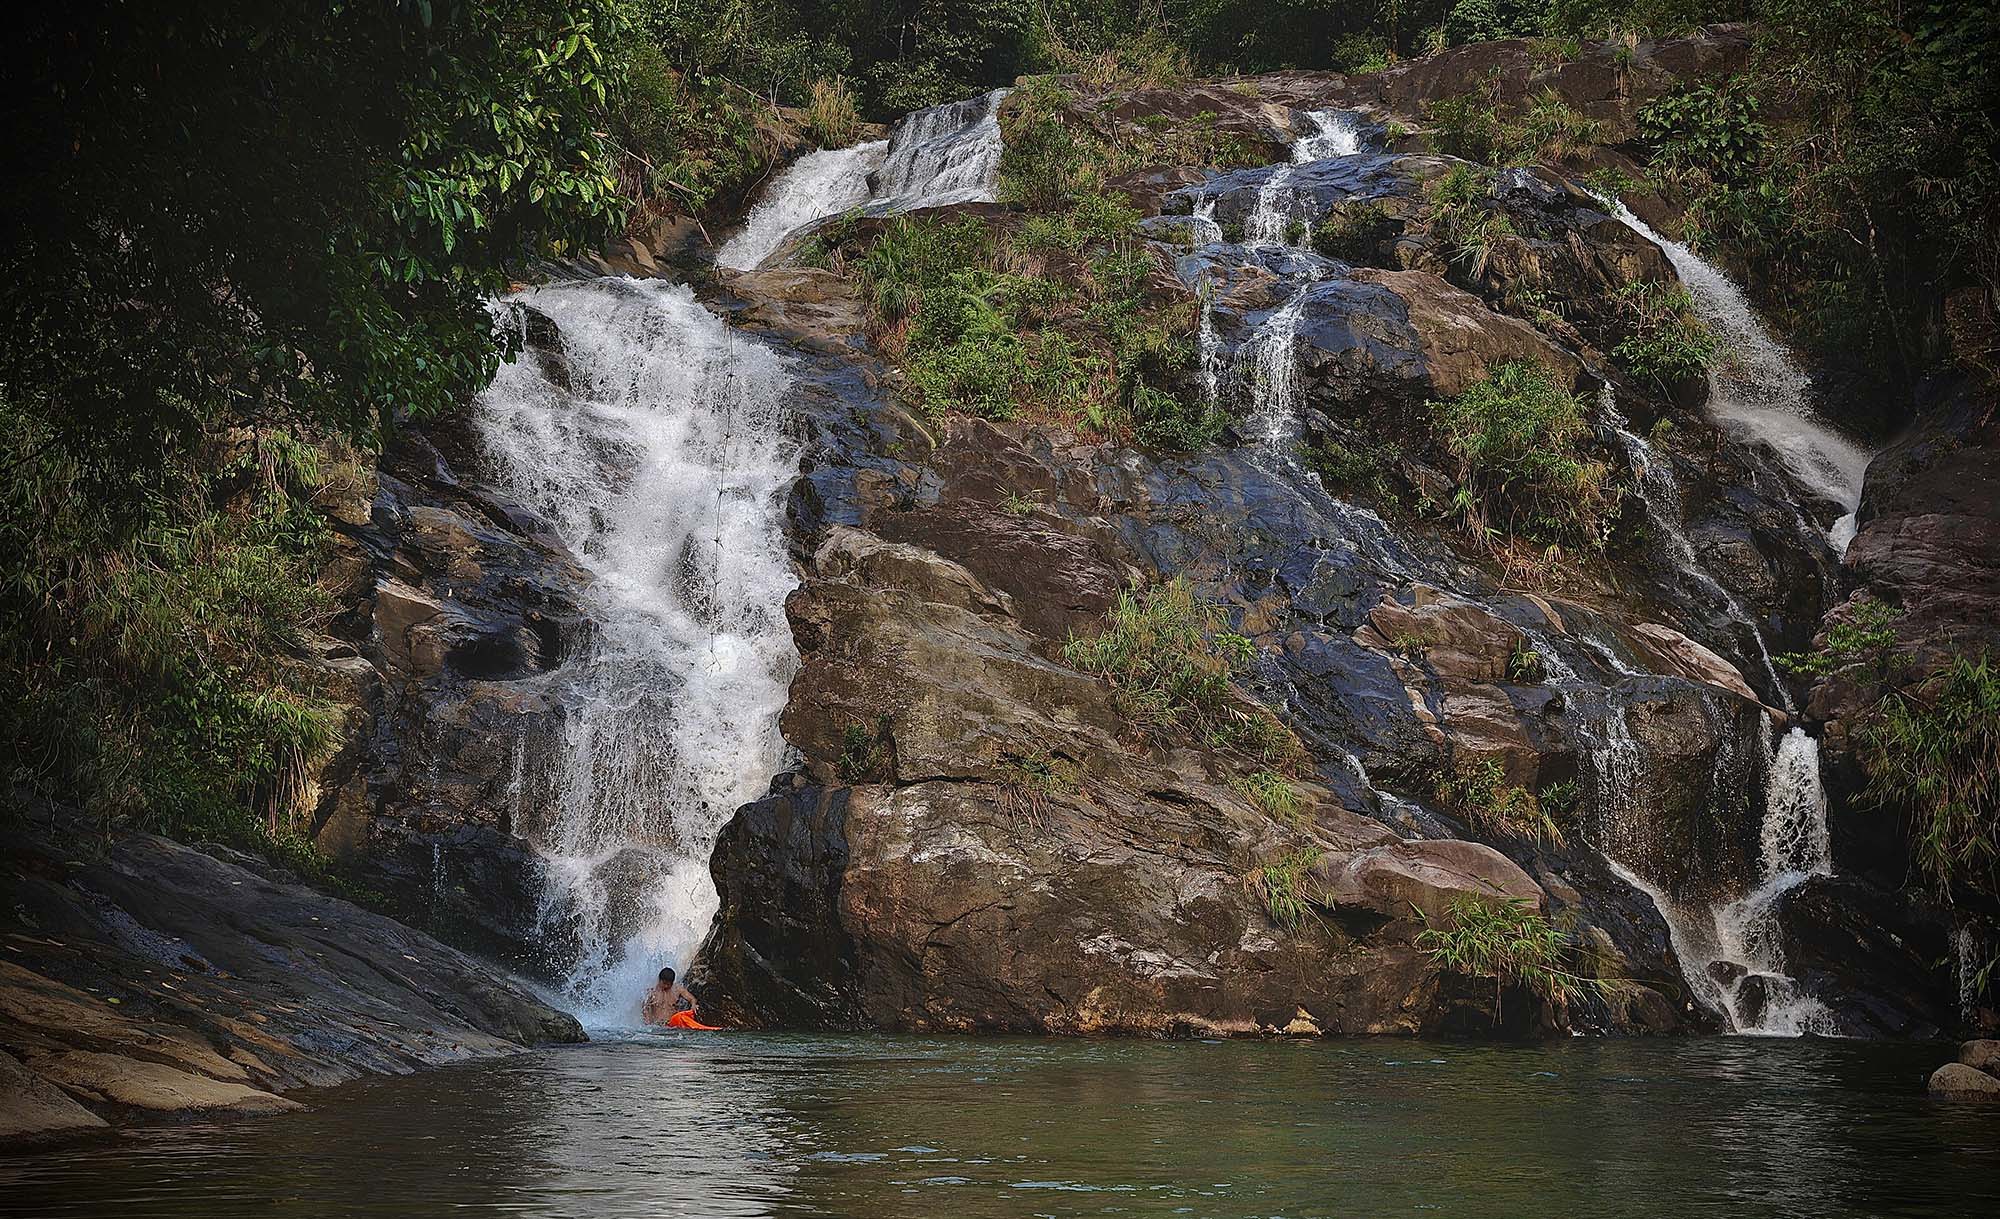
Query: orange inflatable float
(686, 1020)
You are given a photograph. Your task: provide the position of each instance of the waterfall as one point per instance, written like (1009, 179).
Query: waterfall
(1732, 951)
(1275, 387)
(934, 158)
(816, 185)
(1335, 133)
(661, 460)
(946, 154)
(1661, 493)
(1761, 392)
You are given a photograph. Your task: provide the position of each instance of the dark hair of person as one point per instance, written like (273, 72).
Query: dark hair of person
(667, 975)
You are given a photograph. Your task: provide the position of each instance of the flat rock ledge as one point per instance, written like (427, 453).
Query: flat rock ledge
(146, 980)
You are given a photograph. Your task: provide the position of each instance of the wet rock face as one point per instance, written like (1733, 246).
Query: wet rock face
(1928, 546)
(916, 874)
(457, 604)
(158, 981)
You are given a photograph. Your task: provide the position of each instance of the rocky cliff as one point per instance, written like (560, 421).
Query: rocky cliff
(982, 831)
(146, 980)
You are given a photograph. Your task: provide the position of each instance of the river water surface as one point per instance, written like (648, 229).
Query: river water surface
(881, 1127)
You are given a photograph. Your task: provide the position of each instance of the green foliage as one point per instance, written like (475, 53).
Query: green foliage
(1361, 234)
(1487, 20)
(1464, 126)
(1459, 218)
(1665, 340)
(1173, 663)
(864, 750)
(1517, 437)
(283, 210)
(1507, 941)
(279, 225)
(148, 665)
(688, 140)
(1273, 794)
(1550, 129)
(1473, 127)
(1094, 351)
(1710, 130)
(1525, 665)
(1559, 799)
(1282, 883)
(1356, 464)
(1934, 750)
(1478, 791)
(1046, 162)
(1863, 635)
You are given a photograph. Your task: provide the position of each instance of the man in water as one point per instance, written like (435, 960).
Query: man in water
(665, 999)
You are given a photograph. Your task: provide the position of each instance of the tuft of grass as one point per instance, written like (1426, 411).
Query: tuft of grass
(1665, 341)
(1458, 217)
(1360, 234)
(1517, 437)
(1173, 661)
(1273, 794)
(1934, 750)
(1282, 884)
(1032, 780)
(1525, 665)
(1863, 635)
(1479, 792)
(864, 750)
(1507, 941)
(831, 117)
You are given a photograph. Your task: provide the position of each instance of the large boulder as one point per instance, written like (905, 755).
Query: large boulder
(1956, 1081)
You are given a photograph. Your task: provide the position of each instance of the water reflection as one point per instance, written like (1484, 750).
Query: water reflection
(887, 1126)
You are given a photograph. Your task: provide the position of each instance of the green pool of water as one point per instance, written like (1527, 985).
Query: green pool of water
(873, 1127)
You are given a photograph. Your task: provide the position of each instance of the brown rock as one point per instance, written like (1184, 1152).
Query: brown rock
(138, 1084)
(1983, 1055)
(1423, 875)
(33, 1109)
(1956, 1081)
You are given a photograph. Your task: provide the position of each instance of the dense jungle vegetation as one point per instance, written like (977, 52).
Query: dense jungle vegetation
(246, 241)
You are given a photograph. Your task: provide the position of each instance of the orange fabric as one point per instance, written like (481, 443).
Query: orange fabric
(686, 1020)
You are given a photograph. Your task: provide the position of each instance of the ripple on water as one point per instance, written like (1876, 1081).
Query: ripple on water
(752, 1125)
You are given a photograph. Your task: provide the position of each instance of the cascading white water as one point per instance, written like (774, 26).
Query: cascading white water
(1336, 133)
(1275, 387)
(1731, 951)
(1761, 392)
(944, 155)
(818, 184)
(661, 459)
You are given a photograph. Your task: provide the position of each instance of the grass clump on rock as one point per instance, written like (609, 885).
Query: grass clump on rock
(1507, 941)
(1059, 323)
(1282, 884)
(1173, 661)
(1517, 439)
(1479, 792)
(1665, 341)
